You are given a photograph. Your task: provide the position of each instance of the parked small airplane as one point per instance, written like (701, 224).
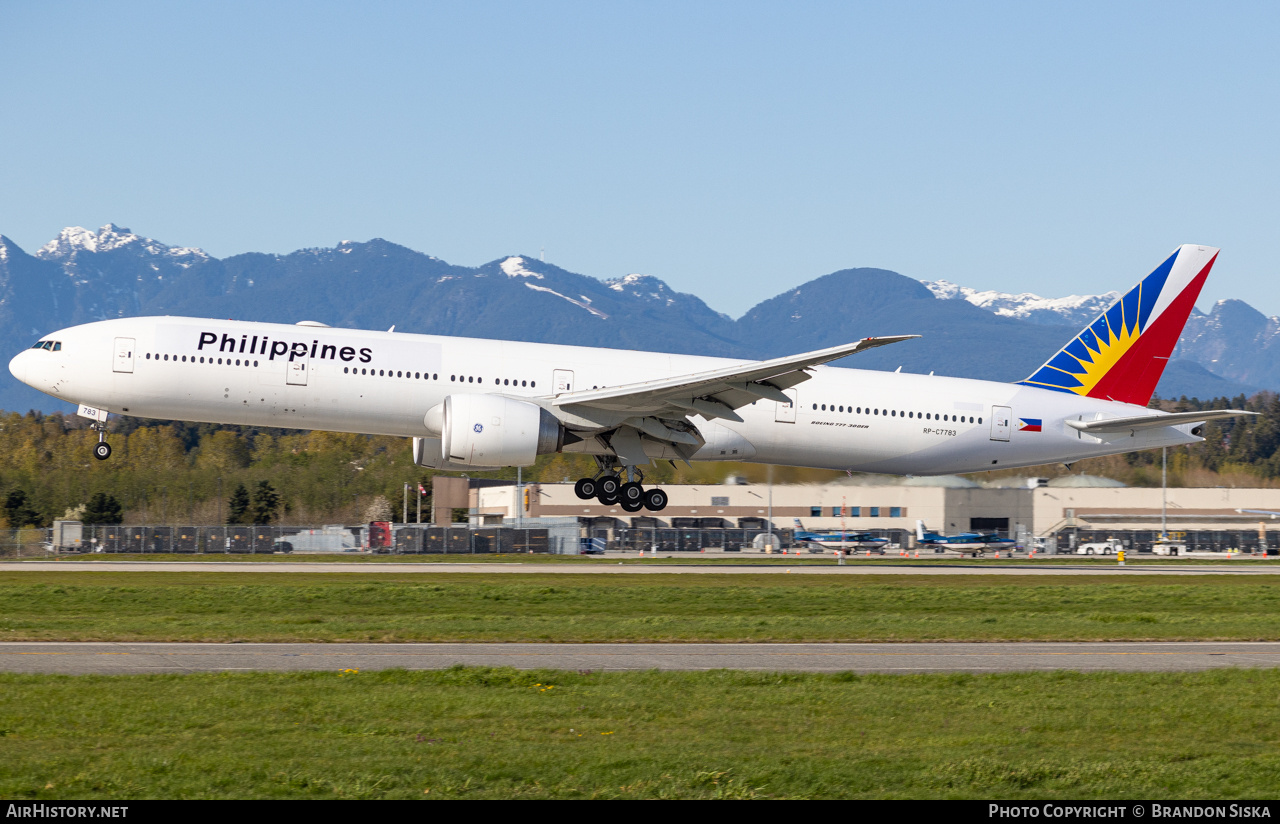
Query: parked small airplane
(966, 543)
(839, 540)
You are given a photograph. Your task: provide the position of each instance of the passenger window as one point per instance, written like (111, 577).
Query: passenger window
(533, 383)
(979, 420)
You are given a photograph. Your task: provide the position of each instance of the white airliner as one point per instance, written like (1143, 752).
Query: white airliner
(475, 404)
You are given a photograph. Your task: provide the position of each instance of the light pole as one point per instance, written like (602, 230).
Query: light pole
(1164, 490)
(770, 519)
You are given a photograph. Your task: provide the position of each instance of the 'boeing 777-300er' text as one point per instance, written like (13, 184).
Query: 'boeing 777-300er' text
(483, 404)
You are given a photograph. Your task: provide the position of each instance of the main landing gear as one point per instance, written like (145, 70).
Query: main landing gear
(101, 449)
(607, 487)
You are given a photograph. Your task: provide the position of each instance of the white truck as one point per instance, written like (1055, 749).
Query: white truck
(1108, 547)
(1169, 548)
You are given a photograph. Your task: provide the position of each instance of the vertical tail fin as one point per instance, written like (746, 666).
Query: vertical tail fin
(1122, 354)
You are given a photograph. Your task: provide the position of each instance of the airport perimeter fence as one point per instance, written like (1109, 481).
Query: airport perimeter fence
(463, 539)
(459, 539)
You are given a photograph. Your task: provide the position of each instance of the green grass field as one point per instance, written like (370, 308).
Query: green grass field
(213, 606)
(804, 557)
(484, 733)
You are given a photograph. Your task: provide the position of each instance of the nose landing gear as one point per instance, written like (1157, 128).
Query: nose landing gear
(101, 449)
(607, 488)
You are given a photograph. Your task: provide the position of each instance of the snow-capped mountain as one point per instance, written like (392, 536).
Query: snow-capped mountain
(74, 240)
(1073, 310)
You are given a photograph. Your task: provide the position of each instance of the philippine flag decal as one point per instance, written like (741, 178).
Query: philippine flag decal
(1029, 424)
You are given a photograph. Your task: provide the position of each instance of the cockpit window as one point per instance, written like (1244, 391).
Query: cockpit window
(51, 345)
(39, 344)
(57, 346)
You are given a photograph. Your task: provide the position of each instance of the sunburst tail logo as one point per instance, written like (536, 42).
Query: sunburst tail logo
(1121, 355)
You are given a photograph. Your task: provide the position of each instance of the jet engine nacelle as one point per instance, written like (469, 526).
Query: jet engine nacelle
(490, 431)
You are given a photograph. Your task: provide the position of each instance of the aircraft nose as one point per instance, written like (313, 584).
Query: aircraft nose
(20, 366)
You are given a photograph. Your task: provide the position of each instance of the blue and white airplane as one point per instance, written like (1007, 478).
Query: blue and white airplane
(473, 404)
(966, 543)
(838, 540)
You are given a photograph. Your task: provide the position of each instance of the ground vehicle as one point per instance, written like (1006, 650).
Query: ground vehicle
(1167, 546)
(1108, 547)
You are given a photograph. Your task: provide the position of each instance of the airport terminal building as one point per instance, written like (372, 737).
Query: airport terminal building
(1073, 507)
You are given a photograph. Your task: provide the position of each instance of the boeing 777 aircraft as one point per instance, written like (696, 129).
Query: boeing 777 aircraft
(475, 404)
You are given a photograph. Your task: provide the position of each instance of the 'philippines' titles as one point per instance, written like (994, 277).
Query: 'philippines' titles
(261, 345)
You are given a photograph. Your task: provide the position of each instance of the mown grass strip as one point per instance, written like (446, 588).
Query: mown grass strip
(698, 558)
(105, 606)
(502, 733)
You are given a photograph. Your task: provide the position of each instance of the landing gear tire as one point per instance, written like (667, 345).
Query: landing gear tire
(102, 450)
(632, 493)
(632, 506)
(608, 486)
(607, 500)
(655, 500)
(586, 488)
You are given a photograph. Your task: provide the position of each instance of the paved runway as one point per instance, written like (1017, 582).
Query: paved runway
(605, 567)
(1125, 656)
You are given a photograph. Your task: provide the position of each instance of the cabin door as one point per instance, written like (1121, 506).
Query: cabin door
(297, 374)
(787, 411)
(123, 361)
(1001, 420)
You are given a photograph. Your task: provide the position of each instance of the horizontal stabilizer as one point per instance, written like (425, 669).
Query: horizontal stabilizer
(1155, 421)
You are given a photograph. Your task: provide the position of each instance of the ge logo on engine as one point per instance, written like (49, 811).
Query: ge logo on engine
(478, 427)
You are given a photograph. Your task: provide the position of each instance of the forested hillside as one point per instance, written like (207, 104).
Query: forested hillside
(180, 473)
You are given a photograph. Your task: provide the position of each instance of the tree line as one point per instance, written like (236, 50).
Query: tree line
(168, 472)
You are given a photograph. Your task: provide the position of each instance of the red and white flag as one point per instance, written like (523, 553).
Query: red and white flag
(421, 490)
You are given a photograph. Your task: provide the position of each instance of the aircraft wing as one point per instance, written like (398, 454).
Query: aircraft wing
(716, 393)
(658, 410)
(1155, 421)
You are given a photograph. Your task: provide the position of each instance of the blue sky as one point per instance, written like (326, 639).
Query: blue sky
(733, 149)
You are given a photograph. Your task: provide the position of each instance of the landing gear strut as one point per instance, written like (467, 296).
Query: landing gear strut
(608, 488)
(101, 449)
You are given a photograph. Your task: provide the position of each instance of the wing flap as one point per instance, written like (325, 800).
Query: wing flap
(1155, 421)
